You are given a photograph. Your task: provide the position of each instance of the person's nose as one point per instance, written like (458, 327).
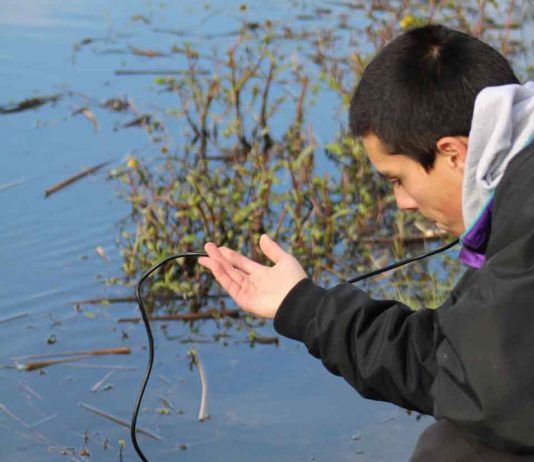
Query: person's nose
(404, 200)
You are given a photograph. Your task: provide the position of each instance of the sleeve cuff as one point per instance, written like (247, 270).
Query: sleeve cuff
(297, 309)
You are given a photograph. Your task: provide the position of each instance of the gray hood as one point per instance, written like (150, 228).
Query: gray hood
(503, 123)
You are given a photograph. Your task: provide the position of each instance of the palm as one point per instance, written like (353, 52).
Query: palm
(256, 288)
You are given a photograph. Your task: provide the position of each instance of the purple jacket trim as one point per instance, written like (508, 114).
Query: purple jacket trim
(475, 241)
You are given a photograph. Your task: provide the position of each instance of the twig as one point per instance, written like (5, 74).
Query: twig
(38, 435)
(146, 52)
(30, 103)
(133, 299)
(98, 384)
(154, 72)
(212, 314)
(202, 412)
(13, 317)
(40, 364)
(165, 402)
(103, 366)
(27, 389)
(105, 300)
(42, 421)
(13, 416)
(118, 420)
(11, 184)
(74, 178)
(100, 352)
(263, 340)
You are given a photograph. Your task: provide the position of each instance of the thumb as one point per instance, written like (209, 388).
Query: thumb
(271, 249)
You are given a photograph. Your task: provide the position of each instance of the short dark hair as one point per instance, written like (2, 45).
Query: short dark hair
(422, 86)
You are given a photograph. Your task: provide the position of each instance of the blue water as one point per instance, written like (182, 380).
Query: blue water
(266, 403)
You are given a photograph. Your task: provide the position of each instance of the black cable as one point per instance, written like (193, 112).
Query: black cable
(403, 262)
(150, 343)
(204, 254)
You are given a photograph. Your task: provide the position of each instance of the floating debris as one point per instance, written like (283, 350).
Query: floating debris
(117, 104)
(42, 421)
(254, 338)
(41, 364)
(140, 17)
(118, 420)
(157, 72)
(88, 114)
(102, 253)
(141, 121)
(100, 352)
(30, 391)
(146, 52)
(11, 184)
(30, 103)
(102, 366)
(74, 178)
(13, 317)
(99, 384)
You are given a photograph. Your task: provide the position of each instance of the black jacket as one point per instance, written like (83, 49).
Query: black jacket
(471, 360)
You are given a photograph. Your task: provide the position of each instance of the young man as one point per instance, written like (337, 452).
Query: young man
(443, 116)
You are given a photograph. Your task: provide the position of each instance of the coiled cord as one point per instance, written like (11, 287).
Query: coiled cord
(204, 254)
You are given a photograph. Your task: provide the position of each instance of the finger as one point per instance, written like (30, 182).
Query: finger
(208, 262)
(219, 272)
(225, 265)
(271, 249)
(239, 261)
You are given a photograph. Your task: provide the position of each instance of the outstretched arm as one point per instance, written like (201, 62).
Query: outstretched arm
(382, 348)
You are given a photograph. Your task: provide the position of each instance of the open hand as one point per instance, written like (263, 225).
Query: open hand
(255, 288)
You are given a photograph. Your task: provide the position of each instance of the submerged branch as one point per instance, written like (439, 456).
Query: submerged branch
(211, 314)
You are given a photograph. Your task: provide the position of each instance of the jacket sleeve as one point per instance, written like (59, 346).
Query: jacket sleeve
(470, 361)
(381, 347)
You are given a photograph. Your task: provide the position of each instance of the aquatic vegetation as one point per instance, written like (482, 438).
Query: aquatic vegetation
(252, 156)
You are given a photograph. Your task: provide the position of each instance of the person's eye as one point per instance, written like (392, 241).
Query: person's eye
(395, 181)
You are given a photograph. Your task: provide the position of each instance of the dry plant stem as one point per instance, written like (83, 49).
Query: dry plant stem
(100, 352)
(13, 317)
(102, 366)
(98, 384)
(41, 364)
(118, 420)
(4, 409)
(262, 340)
(30, 391)
(132, 299)
(74, 178)
(202, 412)
(41, 438)
(153, 72)
(44, 420)
(213, 314)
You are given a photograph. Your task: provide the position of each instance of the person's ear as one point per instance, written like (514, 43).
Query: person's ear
(454, 148)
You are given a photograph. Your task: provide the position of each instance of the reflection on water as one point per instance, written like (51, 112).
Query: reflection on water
(267, 403)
